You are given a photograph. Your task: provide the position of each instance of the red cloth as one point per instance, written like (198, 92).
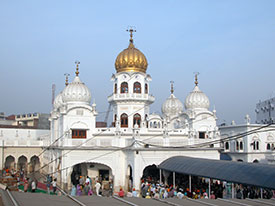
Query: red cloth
(121, 193)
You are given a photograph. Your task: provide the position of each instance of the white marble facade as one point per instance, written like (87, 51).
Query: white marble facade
(136, 138)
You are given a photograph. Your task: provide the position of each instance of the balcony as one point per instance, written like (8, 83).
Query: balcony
(131, 97)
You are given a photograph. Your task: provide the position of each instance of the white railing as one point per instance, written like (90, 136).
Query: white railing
(131, 96)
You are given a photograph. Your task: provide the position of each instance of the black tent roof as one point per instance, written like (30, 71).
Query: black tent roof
(257, 174)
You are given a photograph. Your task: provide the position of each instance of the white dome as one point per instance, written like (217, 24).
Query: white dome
(76, 92)
(58, 102)
(196, 100)
(172, 106)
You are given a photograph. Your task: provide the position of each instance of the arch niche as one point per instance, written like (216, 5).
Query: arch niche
(34, 163)
(10, 162)
(22, 163)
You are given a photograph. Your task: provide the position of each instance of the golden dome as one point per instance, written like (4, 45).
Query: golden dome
(131, 59)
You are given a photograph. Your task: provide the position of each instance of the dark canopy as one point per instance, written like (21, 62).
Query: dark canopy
(261, 175)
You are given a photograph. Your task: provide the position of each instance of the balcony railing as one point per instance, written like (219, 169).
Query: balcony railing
(131, 96)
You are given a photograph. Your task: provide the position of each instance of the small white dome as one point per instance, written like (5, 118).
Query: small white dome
(172, 106)
(58, 102)
(197, 100)
(76, 91)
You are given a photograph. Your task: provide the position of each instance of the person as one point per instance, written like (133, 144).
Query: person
(180, 194)
(148, 195)
(97, 187)
(134, 193)
(48, 183)
(121, 192)
(73, 192)
(212, 196)
(54, 185)
(78, 190)
(33, 186)
(81, 180)
(26, 185)
(89, 181)
(86, 188)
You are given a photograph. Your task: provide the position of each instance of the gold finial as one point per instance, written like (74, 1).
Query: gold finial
(196, 78)
(77, 64)
(131, 30)
(67, 77)
(172, 87)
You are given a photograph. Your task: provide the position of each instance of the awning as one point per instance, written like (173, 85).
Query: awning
(257, 174)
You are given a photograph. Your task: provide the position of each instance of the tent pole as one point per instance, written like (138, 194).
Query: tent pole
(160, 179)
(232, 190)
(174, 179)
(190, 184)
(209, 188)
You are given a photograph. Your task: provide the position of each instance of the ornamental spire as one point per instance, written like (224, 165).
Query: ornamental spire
(131, 30)
(196, 78)
(67, 77)
(77, 64)
(172, 87)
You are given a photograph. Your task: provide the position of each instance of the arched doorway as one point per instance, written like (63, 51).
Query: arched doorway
(256, 161)
(10, 162)
(151, 173)
(22, 163)
(34, 164)
(96, 171)
(129, 179)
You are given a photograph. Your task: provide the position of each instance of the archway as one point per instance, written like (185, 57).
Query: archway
(151, 173)
(129, 178)
(256, 161)
(95, 171)
(22, 163)
(10, 162)
(239, 160)
(34, 164)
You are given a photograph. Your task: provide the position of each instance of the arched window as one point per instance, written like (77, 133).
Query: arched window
(137, 87)
(137, 120)
(226, 145)
(146, 88)
(146, 120)
(115, 89)
(124, 120)
(257, 145)
(124, 87)
(268, 146)
(151, 125)
(237, 145)
(241, 145)
(254, 145)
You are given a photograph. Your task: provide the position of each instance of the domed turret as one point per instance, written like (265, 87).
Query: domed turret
(196, 99)
(172, 105)
(76, 91)
(131, 59)
(58, 102)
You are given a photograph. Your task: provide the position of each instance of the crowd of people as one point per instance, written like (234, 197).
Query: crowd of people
(151, 188)
(86, 186)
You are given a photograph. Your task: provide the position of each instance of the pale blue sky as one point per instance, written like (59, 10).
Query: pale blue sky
(231, 43)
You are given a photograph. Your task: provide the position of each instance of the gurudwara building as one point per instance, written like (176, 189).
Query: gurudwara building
(137, 140)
